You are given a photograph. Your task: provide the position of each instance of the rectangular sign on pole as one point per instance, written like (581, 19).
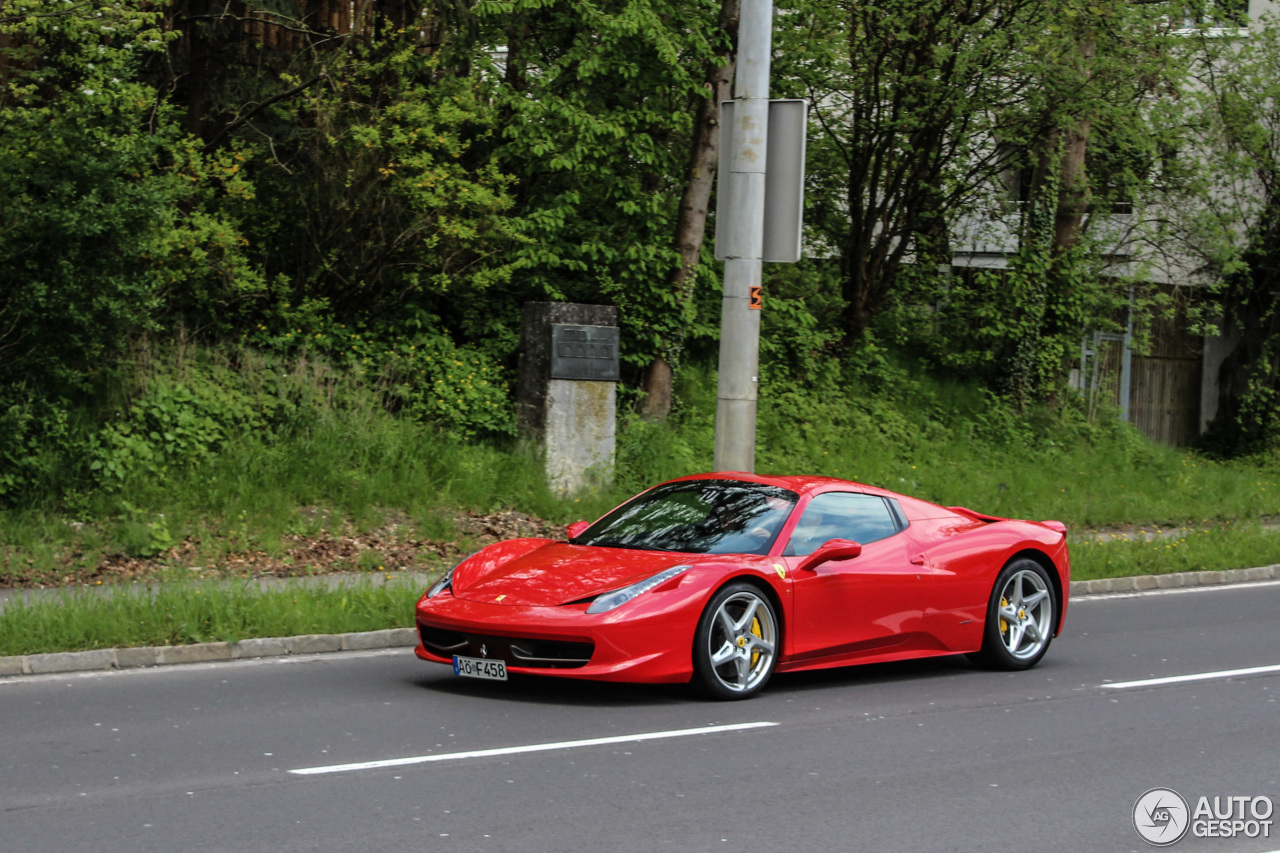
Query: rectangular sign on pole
(784, 181)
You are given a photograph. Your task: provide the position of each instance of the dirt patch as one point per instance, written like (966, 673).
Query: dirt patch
(507, 524)
(386, 548)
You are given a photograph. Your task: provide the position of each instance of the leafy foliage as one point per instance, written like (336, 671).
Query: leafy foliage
(364, 195)
(100, 196)
(1236, 117)
(597, 104)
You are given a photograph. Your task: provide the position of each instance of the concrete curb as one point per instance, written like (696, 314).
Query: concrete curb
(101, 660)
(1175, 580)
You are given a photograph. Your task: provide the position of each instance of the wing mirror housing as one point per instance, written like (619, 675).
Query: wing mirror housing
(832, 549)
(575, 530)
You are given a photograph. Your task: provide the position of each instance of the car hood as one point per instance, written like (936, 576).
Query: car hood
(544, 573)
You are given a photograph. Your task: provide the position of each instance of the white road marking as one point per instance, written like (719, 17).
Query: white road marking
(1200, 676)
(536, 747)
(1082, 597)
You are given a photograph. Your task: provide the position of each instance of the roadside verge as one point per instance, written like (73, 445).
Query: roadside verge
(99, 660)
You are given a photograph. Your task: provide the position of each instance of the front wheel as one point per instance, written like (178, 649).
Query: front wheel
(736, 646)
(1021, 616)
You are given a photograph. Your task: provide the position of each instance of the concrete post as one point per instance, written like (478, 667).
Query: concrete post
(566, 392)
(739, 322)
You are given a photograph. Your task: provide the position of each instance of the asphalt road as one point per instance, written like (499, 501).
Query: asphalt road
(922, 756)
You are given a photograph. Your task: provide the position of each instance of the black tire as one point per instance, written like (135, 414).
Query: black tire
(740, 629)
(1022, 615)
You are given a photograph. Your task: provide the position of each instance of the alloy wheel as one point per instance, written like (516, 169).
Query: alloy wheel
(742, 642)
(1026, 614)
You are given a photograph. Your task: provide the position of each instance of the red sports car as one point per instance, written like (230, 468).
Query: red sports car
(727, 578)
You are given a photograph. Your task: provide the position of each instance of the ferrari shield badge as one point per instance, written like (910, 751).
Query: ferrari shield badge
(781, 570)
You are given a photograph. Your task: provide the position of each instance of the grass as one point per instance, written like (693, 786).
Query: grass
(1232, 546)
(352, 467)
(179, 614)
(943, 448)
(348, 467)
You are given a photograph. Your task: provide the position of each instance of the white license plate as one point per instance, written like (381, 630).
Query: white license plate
(494, 670)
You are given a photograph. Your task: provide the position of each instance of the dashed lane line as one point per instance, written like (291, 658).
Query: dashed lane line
(517, 750)
(1199, 676)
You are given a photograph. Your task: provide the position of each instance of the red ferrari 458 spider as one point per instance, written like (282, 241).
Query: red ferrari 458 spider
(727, 578)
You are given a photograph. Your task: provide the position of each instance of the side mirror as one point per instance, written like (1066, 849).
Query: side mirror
(575, 530)
(832, 549)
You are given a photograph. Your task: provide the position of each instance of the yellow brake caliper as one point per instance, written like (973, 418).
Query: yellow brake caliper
(1004, 626)
(755, 629)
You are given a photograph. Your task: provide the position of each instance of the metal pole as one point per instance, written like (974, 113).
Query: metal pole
(739, 324)
(1126, 366)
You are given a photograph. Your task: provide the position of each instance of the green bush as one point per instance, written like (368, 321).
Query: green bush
(38, 439)
(422, 374)
(173, 423)
(102, 198)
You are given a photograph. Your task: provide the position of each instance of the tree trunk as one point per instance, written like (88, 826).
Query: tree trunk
(858, 311)
(517, 34)
(199, 59)
(1073, 193)
(1065, 148)
(658, 379)
(691, 224)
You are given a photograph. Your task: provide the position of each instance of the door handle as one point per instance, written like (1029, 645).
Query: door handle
(917, 560)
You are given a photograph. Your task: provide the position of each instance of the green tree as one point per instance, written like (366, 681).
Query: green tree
(934, 118)
(1230, 226)
(910, 101)
(598, 104)
(1100, 70)
(101, 197)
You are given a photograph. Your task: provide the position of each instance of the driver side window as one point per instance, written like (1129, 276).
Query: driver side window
(841, 515)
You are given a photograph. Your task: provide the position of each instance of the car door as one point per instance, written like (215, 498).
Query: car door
(863, 606)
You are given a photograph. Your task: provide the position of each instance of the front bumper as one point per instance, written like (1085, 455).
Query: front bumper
(649, 641)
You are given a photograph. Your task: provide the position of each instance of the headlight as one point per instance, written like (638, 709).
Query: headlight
(619, 597)
(445, 582)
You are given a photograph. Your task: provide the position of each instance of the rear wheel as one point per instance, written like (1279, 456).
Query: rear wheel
(736, 646)
(1021, 617)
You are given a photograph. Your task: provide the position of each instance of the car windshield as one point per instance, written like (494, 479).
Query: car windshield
(696, 517)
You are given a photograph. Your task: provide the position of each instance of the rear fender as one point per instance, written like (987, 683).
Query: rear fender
(1054, 577)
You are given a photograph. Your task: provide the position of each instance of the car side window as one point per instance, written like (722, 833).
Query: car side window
(841, 515)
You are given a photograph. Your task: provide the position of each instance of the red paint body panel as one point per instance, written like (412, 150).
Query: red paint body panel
(863, 605)
(920, 592)
(649, 639)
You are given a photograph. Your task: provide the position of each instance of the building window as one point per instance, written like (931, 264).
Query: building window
(1217, 17)
(1015, 175)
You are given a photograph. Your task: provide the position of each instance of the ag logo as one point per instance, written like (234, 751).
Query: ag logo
(1161, 817)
